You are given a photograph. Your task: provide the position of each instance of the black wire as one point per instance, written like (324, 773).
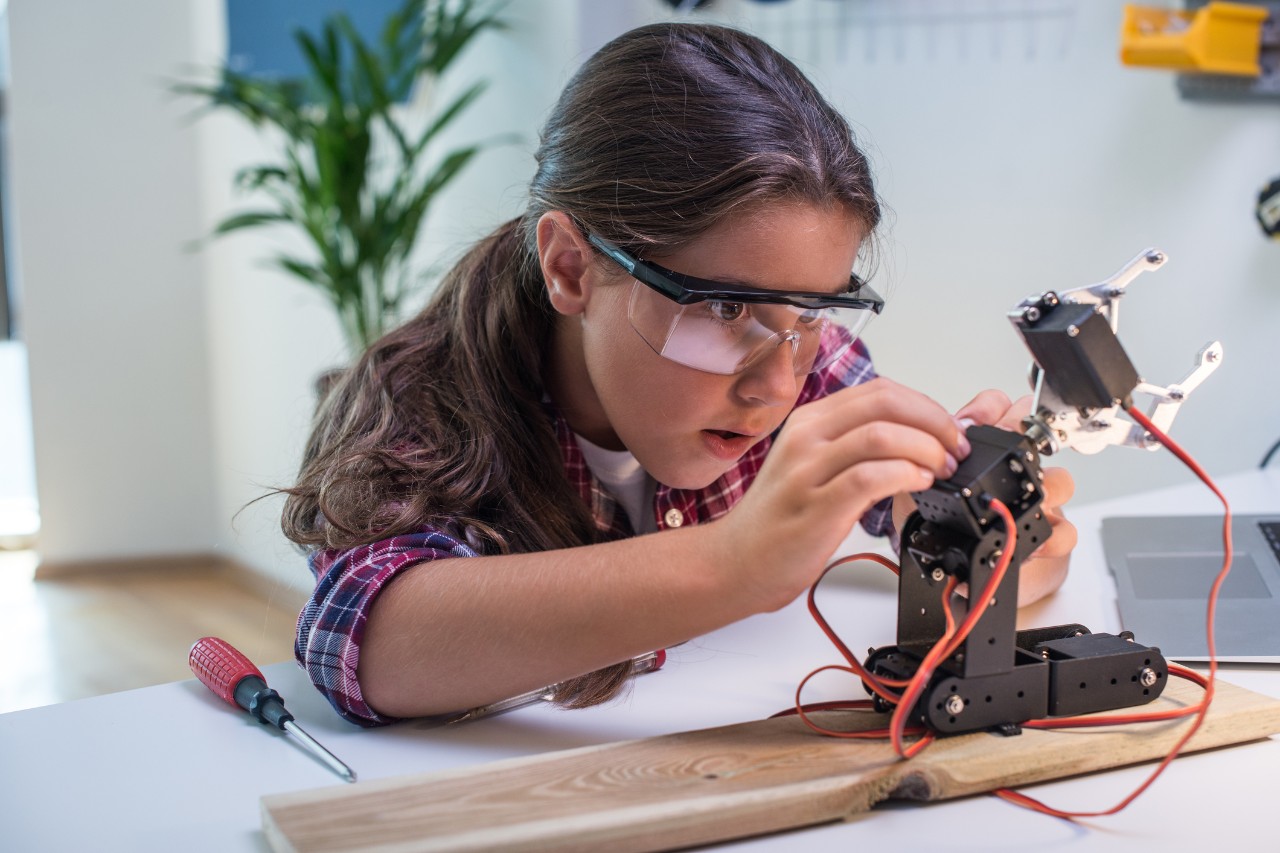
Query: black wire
(1270, 453)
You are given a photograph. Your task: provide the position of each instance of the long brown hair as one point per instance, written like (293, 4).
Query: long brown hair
(660, 135)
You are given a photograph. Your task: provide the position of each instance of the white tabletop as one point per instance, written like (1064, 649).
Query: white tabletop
(173, 768)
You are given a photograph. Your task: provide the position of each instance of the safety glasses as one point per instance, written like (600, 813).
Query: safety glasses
(726, 328)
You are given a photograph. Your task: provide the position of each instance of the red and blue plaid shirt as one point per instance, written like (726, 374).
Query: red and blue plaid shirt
(332, 624)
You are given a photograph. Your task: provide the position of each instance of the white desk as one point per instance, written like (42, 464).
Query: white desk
(173, 768)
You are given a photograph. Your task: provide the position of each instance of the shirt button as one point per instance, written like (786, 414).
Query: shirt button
(674, 518)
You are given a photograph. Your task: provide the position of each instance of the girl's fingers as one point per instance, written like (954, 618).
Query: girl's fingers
(884, 440)
(989, 407)
(875, 479)
(1058, 488)
(1062, 539)
(1012, 418)
(1058, 485)
(1040, 577)
(884, 400)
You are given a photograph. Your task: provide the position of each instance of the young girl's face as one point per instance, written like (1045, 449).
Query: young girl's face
(688, 427)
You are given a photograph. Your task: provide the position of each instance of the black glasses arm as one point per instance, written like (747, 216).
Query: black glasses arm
(686, 290)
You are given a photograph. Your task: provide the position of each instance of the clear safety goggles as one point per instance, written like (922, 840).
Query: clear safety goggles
(726, 328)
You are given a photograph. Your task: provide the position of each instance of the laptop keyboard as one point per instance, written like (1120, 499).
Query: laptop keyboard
(1271, 530)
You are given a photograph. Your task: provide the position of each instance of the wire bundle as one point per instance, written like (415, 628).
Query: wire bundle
(903, 694)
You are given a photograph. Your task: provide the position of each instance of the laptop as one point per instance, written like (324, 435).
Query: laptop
(1164, 567)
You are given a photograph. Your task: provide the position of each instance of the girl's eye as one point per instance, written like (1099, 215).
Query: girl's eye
(808, 318)
(727, 312)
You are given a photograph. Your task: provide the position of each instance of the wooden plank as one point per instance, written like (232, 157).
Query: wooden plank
(717, 784)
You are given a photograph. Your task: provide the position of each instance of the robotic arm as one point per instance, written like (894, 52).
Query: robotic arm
(1000, 677)
(1082, 376)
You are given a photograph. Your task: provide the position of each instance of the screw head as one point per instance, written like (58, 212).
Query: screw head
(1072, 331)
(938, 575)
(1147, 676)
(954, 705)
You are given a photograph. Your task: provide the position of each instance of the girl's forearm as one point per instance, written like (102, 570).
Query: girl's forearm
(456, 634)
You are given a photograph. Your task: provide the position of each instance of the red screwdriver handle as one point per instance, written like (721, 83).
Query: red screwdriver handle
(220, 666)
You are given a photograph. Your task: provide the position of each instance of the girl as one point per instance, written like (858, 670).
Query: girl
(665, 343)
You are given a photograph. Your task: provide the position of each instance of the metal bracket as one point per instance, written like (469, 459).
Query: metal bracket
(1059, 421)
(1168, 400)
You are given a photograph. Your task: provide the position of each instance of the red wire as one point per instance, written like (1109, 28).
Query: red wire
(952, 638)
(1202, 707)
(865, 555)
(803, 710)
(946, 645)
(880, 686)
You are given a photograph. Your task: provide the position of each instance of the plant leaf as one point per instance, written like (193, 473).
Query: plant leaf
(349, 177)
(256, 177)
(252, 219)
(448, 114)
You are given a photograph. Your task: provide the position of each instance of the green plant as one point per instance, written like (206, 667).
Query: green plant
(354, 179)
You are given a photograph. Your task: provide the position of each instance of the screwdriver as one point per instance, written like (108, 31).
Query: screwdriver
(233, 677)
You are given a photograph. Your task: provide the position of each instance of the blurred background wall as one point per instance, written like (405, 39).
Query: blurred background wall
(171, 388)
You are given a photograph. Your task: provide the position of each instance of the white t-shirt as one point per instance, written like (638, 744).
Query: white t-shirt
(622, 476)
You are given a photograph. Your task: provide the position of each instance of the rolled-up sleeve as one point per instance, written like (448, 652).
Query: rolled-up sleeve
(332, 624)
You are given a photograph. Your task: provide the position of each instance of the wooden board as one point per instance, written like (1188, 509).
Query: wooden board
(699, 787)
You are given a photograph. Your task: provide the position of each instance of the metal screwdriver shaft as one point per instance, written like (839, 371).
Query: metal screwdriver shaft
(234, 678)
(320, 752)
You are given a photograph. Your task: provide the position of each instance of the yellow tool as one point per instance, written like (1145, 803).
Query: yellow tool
(1219, 38)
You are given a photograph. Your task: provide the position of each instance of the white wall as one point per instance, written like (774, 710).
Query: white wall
(104, 196)
(1016, 154)
(171, 389)
(269, 337)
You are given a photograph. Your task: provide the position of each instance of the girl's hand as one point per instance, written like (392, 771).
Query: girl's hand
(1045, 570)
(833, 460)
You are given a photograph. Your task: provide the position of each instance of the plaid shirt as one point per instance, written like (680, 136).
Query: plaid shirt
(332, 624)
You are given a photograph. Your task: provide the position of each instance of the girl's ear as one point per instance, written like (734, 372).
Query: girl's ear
(565, 257)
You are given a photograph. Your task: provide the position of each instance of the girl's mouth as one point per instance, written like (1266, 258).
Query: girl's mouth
(727, 445)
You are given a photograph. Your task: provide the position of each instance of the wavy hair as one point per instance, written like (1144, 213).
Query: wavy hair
(441, 423)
